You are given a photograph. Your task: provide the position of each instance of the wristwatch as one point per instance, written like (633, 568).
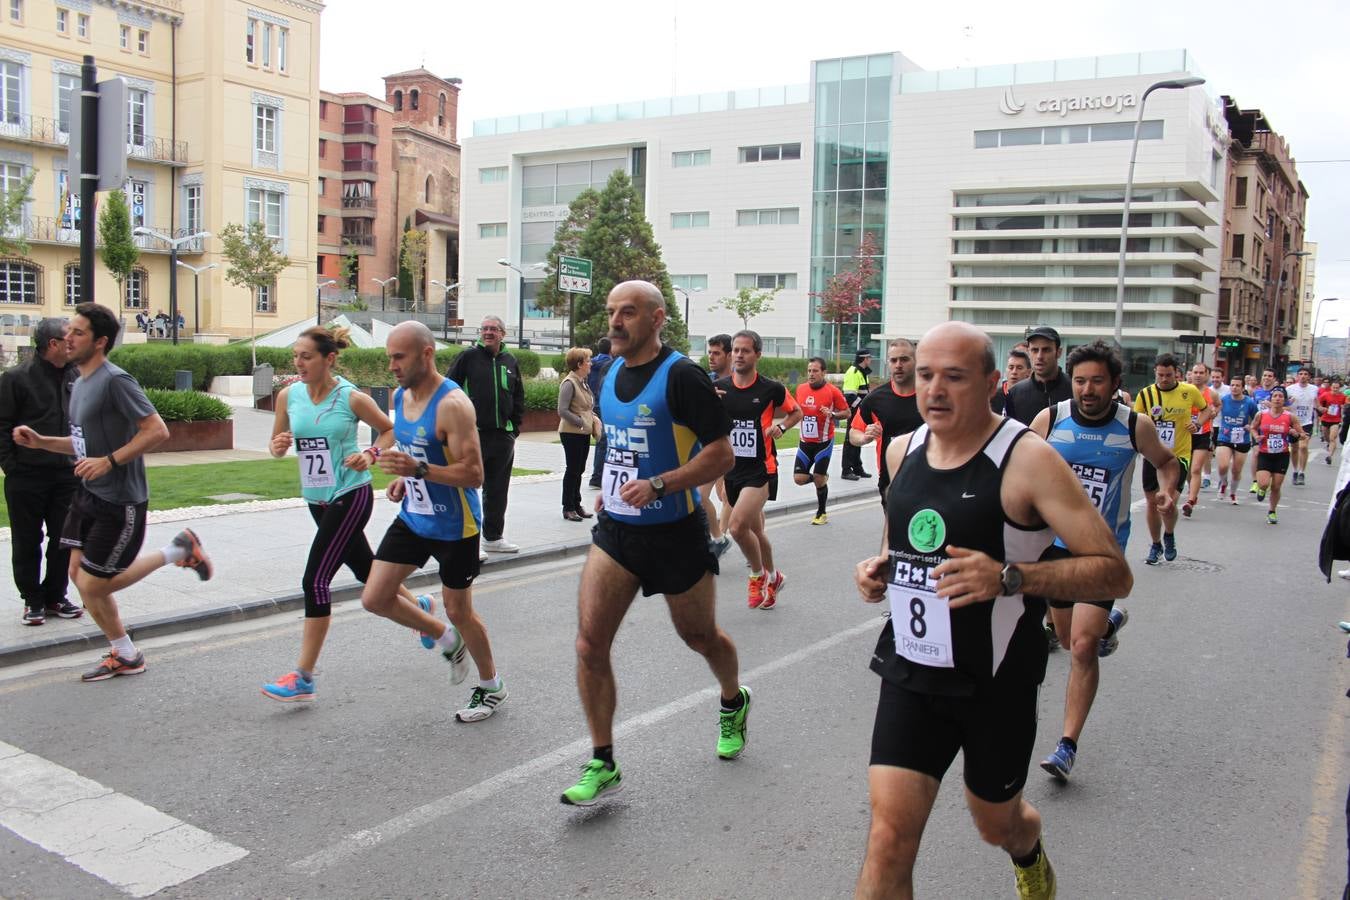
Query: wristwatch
(658, 484)
(421, 471)
(1010, 581)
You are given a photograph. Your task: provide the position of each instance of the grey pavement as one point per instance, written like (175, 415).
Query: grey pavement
(259, 549)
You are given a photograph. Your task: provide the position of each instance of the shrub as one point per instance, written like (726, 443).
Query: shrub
(188, 406)
(541, 393)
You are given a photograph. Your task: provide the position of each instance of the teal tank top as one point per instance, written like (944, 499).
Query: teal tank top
(325, 435)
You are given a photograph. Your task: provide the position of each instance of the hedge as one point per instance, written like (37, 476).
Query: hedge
(188, 406)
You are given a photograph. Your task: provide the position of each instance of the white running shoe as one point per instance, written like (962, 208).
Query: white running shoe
(501, 545)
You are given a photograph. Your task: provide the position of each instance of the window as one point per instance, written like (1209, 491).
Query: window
(266, 46)
(771, 152)
(72, 284)
(136, 191)
(492, 285)
(266, 207)
(16, 10)
(62, 21)
(267, 298)
(11, 92)
(413, 97)
(67, 89)
(192, 208)
(690, 283)
(689, 220)
(492, 229)
(1239, 245)
(137, 104)
(82, 26)
(283, 48)
(134, 289)
(1240, 191)
(250, 36)
(323, 222)
(19, 281)
(124, 37)
(142, 41)
(493, 175)
(265, 129)
(768, 281)
(685, 158)
(786, 216)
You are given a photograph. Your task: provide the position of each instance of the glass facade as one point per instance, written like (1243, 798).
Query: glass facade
(852, 159)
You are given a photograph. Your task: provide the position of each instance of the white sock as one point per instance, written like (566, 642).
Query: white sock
(448, 640)
(174, 554)
(494, 685)
(123, 647)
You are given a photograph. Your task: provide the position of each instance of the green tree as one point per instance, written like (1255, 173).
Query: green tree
(610, 229)
(119, 251)
(254, 263)
(747, 303)
(11, 217)
(412, 260)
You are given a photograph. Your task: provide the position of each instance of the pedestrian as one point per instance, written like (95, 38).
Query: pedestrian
(490, 375)
(600, 361)
(39, 486)
(1047, 385)
(577, 424)
(112, 425)
(855, 388)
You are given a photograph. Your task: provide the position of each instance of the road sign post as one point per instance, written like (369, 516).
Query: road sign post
(574, 277)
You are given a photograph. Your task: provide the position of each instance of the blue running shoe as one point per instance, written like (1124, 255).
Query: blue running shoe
(1154, 554)
(1060, 763)
(426, 604)
(1169, 547)
(290, 688)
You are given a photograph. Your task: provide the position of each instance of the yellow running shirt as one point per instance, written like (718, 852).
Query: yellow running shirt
(1171, 413)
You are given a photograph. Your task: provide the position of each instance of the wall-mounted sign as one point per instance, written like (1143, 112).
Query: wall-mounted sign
(1009, 105)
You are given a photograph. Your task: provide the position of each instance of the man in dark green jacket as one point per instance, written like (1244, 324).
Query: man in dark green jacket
(491, 378)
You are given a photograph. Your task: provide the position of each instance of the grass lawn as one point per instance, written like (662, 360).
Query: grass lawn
(270, 479)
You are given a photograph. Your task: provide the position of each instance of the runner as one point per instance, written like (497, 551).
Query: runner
(719, 366)
(1169, 404)
(1202, 437)
(856, 388)
(112, 426)
(974, 502)
(651, 533)
(1261, 394)
(753, 403)
(1275, 429)
(319, 414)
(1100, 439)
(1331, 404)
(1302, 397)
(821, 404)
(1236, 412)
(440, 466)
(1017, 370)
(889, 411)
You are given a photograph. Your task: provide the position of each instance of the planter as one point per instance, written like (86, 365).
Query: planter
(215, 435)
(540, 420)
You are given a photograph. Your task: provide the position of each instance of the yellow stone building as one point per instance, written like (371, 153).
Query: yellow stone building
(222, 119)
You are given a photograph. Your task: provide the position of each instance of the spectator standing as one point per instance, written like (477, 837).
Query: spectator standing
(38, 485)
(491, 377)
(599, 366)
(855, 388)
(577, 424)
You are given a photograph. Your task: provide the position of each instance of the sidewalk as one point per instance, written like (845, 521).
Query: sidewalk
(259, 549)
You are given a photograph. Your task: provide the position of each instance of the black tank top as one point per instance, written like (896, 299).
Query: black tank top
(962, 651)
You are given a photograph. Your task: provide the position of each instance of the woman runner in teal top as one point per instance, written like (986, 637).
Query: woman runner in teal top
(319, 414)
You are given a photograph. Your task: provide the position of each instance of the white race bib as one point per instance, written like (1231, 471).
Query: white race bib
(416, 497)
(316, 463)
(1167, 433)
(77, 441)
(745, 438)
(810, 428)
(620, 468)
(1274, 443)
(1094, 480)
(921, 620)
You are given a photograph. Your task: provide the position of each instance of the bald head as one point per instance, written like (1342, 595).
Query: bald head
(968, 339)
(415, 333)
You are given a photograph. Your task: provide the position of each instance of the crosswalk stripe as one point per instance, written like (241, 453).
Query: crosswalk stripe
(133, 847)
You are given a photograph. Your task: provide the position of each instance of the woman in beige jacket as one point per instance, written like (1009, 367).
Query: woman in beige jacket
(577, 424)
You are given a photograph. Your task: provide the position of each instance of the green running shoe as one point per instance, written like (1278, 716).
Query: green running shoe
(732, 724)
(596, 781)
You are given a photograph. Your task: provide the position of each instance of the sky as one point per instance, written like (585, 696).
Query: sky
(1287, 59)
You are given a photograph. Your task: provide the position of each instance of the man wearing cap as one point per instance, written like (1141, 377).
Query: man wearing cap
(855, 388)
(1047, 385)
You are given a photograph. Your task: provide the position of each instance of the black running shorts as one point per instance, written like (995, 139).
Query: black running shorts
(996, 730)
(669, 558)
(734, 487)
(813, 458)
(1151, 476)
(458, 560)
(1274, 463)
(108, 535)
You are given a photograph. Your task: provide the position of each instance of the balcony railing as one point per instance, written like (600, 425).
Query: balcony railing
(358, 202)
(358, 165)
(66, 230)
(367, 128)
(44, 130)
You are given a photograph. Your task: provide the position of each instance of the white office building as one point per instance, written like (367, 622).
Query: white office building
(995, 194)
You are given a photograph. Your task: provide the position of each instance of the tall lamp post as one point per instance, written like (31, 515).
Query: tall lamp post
(318, 300)
(1314, 344)
(445, 305)
(686, 293)
(196, 293)
(520, 330)
(174, 243)
(383, 283)
(1271, 306)
(1169, 85)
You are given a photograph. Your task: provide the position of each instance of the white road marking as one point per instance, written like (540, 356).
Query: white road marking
(133, 847)
(440, 808)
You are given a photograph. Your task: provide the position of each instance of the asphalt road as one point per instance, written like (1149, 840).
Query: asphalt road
(1214, 765)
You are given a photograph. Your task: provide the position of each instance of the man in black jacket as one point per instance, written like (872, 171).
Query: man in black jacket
(491, 378)
(39, 485)
(1047, 385)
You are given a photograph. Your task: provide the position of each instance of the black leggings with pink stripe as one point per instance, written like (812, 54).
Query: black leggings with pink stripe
(341, 539)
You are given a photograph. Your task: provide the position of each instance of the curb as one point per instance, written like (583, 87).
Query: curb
(158, 626)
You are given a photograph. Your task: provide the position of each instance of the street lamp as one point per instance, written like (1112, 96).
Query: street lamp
(174, 244)
(1270, 306)
(196, 294)
(520, 331)
(445, 305)
(318, 300)
(686, 293)
(383, 283)
(1169, 85)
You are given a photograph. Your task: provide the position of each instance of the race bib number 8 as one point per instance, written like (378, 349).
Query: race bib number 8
(745, 438)
(1167, 433)
(316, 462)
(77, 441)
(921, 620)
(620, 468)
(810, 428)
